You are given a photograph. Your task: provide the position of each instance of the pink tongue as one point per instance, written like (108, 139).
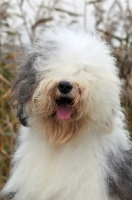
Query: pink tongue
(64, 112)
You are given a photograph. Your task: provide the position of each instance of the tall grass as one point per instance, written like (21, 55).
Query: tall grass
(8, 122)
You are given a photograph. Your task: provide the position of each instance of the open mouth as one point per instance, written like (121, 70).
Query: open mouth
(64, 108)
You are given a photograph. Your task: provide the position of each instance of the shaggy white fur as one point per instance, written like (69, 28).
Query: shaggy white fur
(74, 145)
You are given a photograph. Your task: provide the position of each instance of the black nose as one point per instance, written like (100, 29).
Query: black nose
(65, 87)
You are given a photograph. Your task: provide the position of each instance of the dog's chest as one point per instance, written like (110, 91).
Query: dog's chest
(66, 173)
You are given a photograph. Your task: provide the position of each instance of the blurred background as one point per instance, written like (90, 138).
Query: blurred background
(22, 20)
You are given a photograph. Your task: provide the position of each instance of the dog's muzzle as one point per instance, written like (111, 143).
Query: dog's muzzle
(64, 104)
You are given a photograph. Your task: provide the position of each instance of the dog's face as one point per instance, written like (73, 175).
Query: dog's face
(60, 102)
(67, 81)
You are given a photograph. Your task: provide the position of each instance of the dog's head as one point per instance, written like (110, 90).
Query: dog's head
(67, 80)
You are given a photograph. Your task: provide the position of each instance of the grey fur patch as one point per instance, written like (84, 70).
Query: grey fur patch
(24, 86)
(119, 178)
(23, 118)
(9, 196)
(26, 81)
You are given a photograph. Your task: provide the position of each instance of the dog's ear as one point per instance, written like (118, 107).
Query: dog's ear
(24, 86)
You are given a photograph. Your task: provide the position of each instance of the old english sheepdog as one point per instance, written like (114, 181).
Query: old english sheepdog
(73, 143)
